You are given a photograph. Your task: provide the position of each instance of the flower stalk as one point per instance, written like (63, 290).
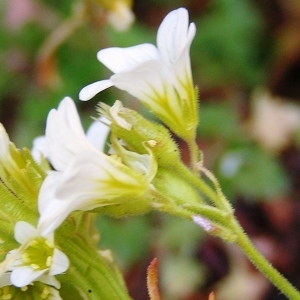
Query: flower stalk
(260, 262)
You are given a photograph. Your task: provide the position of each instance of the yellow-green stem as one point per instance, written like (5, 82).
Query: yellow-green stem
(194, 155)
(204, 188)
(263, 265)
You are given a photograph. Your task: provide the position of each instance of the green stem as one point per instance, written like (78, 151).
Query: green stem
(165, 204)
(194, 154)
(204, 188)
(263, 265)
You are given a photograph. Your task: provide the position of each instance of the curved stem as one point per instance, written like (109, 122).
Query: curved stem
(204, 188)
(194, 155)
(164, 204)
(263, 265)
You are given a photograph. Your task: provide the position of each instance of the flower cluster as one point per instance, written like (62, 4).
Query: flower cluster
(123, 165)
(127, 178)
(36, 261)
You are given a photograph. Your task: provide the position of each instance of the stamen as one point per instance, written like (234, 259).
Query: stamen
(25, 257)
(6, 296)
(45, 293)
(49, 244)
(49, 261)
(34, 266)
(33, 243)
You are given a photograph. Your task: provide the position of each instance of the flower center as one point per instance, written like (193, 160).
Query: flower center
(38, 255)
(37, 290)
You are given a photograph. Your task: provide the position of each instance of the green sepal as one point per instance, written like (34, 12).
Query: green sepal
(140, 130)
(176, 188)
(126, 206)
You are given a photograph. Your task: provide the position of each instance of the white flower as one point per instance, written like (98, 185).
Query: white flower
(160, 77)
(45, 288)
(65, 136)
(93, 179)
(36, 257)
(39, 150)
(86, 178)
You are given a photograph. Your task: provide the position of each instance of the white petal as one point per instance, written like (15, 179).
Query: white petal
(50, 280)
(47, 190)
(24, 232)
(60, 263)
(173, 34)
(67, 109)
(123, 59)
(98, 133)
(65, 135)
(13, 259)
(145, 81)
(4, 142)
(24, 275)
(95, 179)
(92, 89)
(152, 84)
(52, 211)
(39, 148)
(53, 216)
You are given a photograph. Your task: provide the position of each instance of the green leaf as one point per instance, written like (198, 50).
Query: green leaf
(253, 173)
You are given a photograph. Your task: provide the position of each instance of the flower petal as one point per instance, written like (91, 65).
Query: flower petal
(98, 133)
(65, 135)
(68, 111)
(39, 148)
(53, 216)
(47, 190)
(52, 211)
(92, 89)
(23, 276)
(24, 232)
(4, 142)
(152, 83)
(60, 263)
(122, 59)
(172, 35)
(146, 81)
(95, 179)
(50, 280)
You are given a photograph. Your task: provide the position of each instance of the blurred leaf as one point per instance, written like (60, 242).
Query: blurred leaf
(228, 44)
(179, 236)
(251, 172)
(218, 120)
(128, 239)
(181, 275)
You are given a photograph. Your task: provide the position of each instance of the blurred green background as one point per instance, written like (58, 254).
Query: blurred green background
(246, 63)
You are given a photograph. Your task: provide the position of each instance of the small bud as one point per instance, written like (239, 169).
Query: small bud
(134, 129)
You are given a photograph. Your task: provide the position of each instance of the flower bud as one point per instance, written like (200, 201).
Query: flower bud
(134, 130)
